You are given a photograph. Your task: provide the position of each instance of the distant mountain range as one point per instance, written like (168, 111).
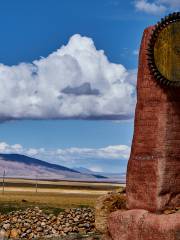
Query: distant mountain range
(21, 166)
(115, 177)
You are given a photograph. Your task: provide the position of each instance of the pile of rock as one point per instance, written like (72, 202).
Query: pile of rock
(34, 223)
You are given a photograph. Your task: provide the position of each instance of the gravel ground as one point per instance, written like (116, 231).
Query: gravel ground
(71, 224)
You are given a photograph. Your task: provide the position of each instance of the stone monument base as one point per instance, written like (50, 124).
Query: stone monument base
(140, 224)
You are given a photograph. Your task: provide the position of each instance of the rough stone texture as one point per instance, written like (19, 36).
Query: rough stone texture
(104, 206)
(35, 224)
(153, 177)
(143, 225)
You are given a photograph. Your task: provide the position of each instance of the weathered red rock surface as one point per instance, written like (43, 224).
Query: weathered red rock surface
(143, 225)
(153, 176)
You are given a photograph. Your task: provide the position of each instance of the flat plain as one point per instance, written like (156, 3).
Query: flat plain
(52, 196)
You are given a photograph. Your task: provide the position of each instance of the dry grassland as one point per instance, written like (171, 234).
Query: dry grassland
(52, 196)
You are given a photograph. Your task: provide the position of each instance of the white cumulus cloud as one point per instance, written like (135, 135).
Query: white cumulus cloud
(157, 7)
(76, 81)
(105, 158)
(147, 7)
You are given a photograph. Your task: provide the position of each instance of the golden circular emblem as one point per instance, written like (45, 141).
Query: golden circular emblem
(164, 50)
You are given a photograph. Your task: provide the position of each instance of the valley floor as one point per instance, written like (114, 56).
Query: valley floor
(50, 202)
(21, 193)
(53, 198)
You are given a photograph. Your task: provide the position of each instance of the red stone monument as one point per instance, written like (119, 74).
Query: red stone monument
(153, 176)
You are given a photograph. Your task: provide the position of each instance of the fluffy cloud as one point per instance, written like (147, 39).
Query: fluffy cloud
(147, 7)
(107, 158)
(109, 153)
(76, 81)
(6, 148)
(157, 7)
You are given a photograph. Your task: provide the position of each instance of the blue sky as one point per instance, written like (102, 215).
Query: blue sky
(81, 99)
